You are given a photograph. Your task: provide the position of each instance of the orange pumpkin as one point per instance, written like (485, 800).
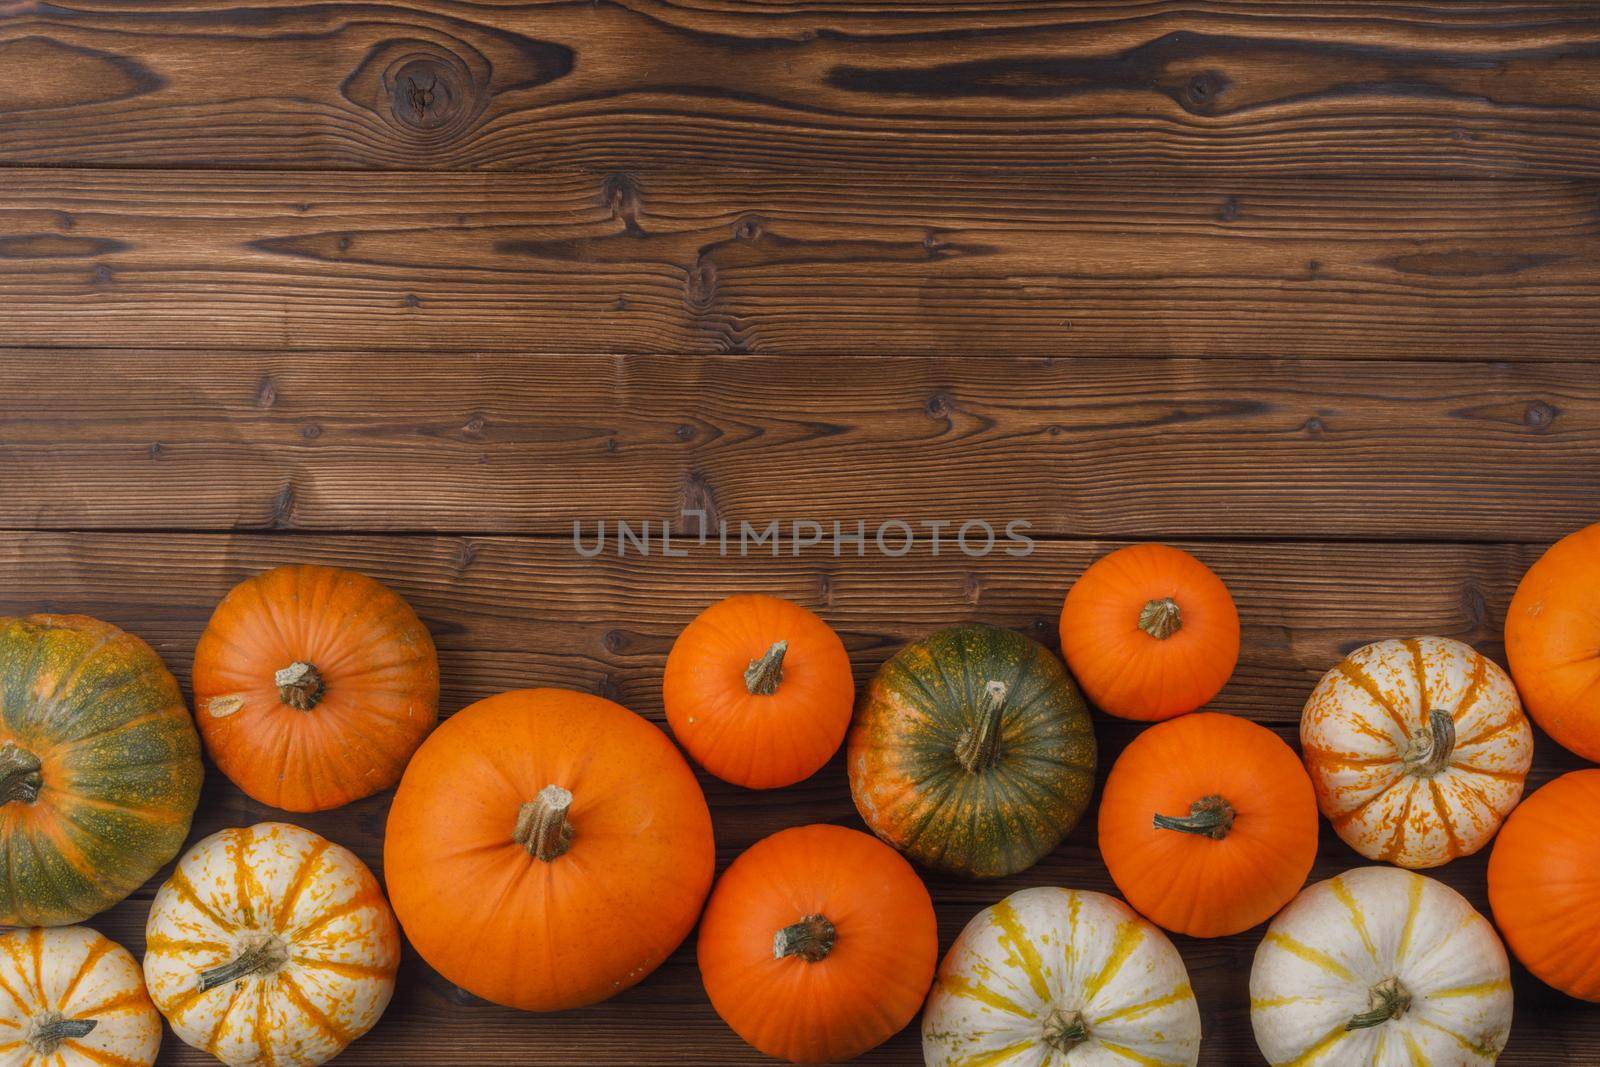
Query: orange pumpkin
(1149, 632)
(1553, 641)
(818, 944)
(1544, 883)
(759, 691)
(1208, 824)
(547, 849)
(313, 686)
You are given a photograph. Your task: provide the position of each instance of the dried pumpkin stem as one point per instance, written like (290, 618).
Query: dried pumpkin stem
(299, 686)
(979, 747)
(812, 938)
(19, 774)
(266, 956)
(542, 826)
(1390, 1000)
(764, 675)
(1065, 1032)
(1210, 816)
(1431, 750)
(1161, 618)
(49, 1029)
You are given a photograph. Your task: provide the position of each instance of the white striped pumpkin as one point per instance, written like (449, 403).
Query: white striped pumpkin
(271, 946)
(1049, 977)
(1380, 967)
(1418, 750)
(71, 997)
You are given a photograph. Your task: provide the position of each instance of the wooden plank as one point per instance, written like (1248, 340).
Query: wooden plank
(687, 262)
(1076, 447)
(1451, 88)
(510, 612)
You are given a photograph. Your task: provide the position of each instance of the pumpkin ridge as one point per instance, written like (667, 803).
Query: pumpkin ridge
(96, 953)
(291, 989)
(71, 674)
(238, 844)
(351, 970)
(225, 1016)
(1396, 843)
(1129, 936)
(1443, 811)
(180, 884)
(1413, 909)
(16, 998)
(1363, 681)
(297, 883)
(100, 1056)
(132, 998)
(1134, 1011)
(1358, 918)
(1469, 696)
(365, 899)
(1135, 1056)
(1420, 669)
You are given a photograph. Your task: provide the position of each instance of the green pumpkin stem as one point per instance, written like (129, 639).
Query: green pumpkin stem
(300, 686)
(1065, 1032)
(1210, 816)
(267, 956)
(1161, 618)
(812, 938)
(542, 826)
(1390, 1000)
(49, 1029)
(979, 747)
(19, 774)
(764, 675)
(1430, 752)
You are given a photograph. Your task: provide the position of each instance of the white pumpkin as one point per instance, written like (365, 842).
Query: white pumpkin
(1418, 750)
(73, 998)
(1380, 967)
(271, 947)
(1061, 976)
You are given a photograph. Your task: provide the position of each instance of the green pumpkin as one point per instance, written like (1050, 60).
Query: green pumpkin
(972, 751)
(99, 767)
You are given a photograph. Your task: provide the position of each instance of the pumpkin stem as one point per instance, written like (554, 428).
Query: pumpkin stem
(265, 956)
(19, 774)
(1430, 750)
(1390, 1000)
(50, 1028)
(764, 675)
(1161, 618)
(1210, 816)
(1065, 1032)
(542, 826)
(979, 747)
(811, 939)
(299, 686)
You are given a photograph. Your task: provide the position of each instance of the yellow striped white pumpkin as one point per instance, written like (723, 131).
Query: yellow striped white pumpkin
(1050, 977)
(71, 997)
(1380, 967)
(271, 947)
(1417, 749)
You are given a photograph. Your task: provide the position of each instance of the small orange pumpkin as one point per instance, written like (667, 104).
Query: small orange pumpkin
(1544, 883)
(1149, 632)
(819, 943)
(759, 691)
(547, 849)
(313, 686)
(1208, 824)
(1553, 641)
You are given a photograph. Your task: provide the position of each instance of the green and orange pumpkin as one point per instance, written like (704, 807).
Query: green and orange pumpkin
(99, 767)
(972, 752)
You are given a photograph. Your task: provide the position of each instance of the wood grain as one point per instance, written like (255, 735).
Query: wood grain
(687, 262)
(1457, 88)
(1075, 447)
(510, 612)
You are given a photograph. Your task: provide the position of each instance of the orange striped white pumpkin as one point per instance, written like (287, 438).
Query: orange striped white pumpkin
(271, 947)
(1384, 968)
(72, 997)
(1050, 977)
(1418, 750)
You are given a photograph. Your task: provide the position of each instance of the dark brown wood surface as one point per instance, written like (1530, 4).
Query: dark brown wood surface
(411, 287)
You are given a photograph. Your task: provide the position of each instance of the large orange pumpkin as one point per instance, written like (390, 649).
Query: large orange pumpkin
(1553, 641)
(759, 691)
(1544, 883)
(547, 849)
(818, 944)
(313, 686)
(1149, 632)
(1208, 824)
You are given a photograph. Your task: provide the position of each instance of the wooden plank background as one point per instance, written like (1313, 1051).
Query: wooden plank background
(412, 286)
